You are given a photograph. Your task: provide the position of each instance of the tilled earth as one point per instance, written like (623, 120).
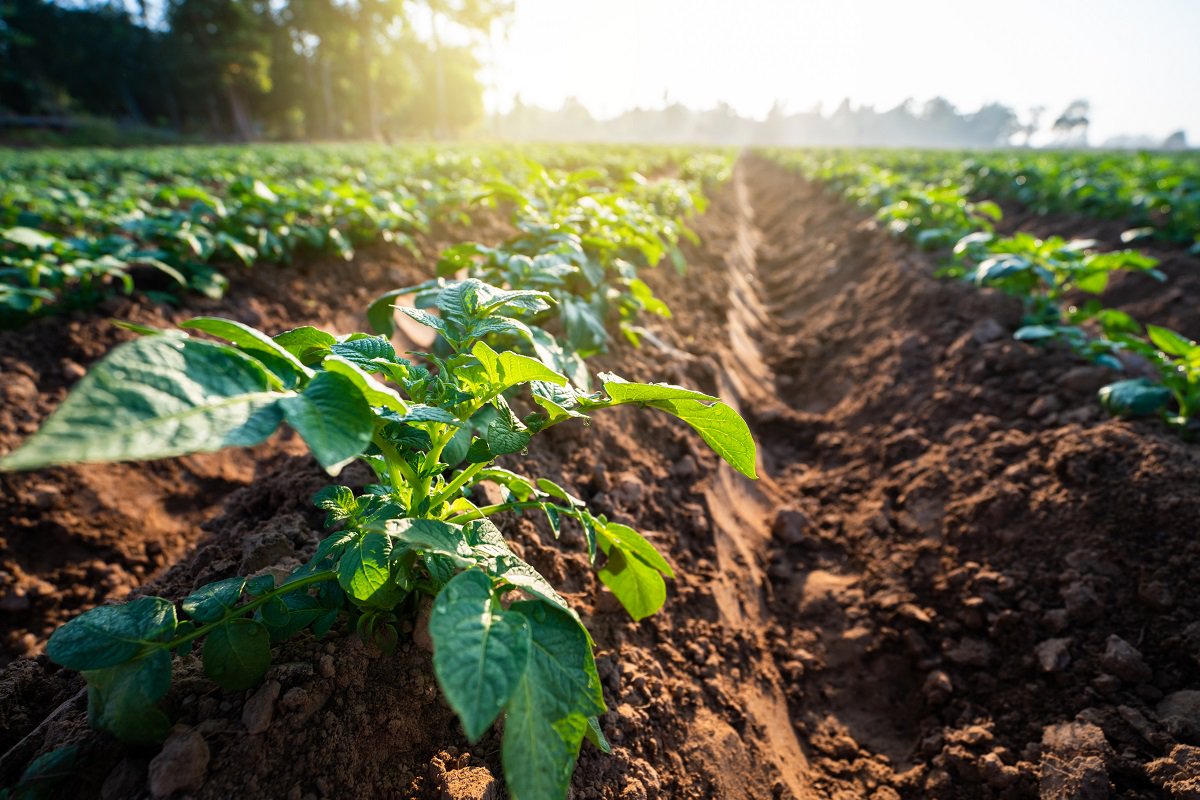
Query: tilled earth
(956, 577)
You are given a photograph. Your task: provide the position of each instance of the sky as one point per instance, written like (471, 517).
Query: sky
(1138, 62)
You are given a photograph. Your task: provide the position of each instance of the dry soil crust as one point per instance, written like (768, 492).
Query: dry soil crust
(955, 579)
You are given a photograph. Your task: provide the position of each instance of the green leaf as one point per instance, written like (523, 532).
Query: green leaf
(719, 425)
(109, 635)
(210, 603)
(237, 654)
(634, 543)
(595, 735)
(306, 343)
(429, 536)
(479, 650)
(333, 418)
(339, 501)
(503, 437)
(1169, 341)
(156, 397)
(508, 369)
(638, 586)
(1137, 397)
(364, 350)
(374, 392)
(363, 569)
(546, 717)
(255, 343)
(122, 699)
(379, 313)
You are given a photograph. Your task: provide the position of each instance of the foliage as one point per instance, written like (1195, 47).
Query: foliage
(933, 199)
(75, 226)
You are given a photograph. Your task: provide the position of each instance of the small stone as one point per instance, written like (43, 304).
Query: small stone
(71, 370)
(970, 652)
(260, 708)
(1054, 654)
(1056, 620)
(181, 765)
(1044, 405)
(684, 467)
(790, 525)
(937, 688)
(1180, 713)
(1082, 602)
(988, 330)
(295, 698)
(1123, 660)
(1157, 595)
(326, 666)
(995, 772)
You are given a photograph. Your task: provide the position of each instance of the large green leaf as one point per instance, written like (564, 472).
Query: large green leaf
(333, 418)
(638, 586)
(109, 635)
(255, 343)
(363, 569)
(479, 650)
(1136, 397)
(717, 423)
(1169, 341)
(155, 397)
(123, 699)
(547, 715)
(428, 536)
(507, 369)
(237, 654)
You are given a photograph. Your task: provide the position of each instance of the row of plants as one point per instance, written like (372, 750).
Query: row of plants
(1049, 275)
(431, 427)
(76, 226)
(1156, 194)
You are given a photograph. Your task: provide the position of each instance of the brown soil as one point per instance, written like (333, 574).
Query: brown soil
(955, 579)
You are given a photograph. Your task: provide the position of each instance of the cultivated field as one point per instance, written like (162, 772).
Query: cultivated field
(895, 494)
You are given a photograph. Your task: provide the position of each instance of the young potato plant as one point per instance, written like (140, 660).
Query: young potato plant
(1177, 360)
(505, 642)
(1044, 274)
(584, 245)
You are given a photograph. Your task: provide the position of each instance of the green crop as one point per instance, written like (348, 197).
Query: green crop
(1177, 360)
(930, 198)
(77, 226)
(429, 434)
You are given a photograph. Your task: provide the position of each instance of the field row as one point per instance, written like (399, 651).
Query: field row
(1057, 280)
(75, 225)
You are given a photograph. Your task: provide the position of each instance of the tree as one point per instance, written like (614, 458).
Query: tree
(1072, 124)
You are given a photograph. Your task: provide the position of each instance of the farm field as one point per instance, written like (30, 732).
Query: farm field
(964, 568)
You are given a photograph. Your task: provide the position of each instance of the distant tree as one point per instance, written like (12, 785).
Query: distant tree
(1072, 124)
(1176, 141)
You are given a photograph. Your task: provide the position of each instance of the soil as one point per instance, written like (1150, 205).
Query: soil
(955, 579)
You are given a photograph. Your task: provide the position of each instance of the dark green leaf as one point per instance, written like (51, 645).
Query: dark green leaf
(237, 654)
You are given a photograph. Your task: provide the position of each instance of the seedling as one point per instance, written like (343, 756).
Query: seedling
(505, 642)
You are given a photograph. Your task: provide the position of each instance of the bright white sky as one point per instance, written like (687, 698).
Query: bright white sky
(1138, 61)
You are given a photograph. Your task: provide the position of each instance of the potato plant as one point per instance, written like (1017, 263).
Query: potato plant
(504, 641)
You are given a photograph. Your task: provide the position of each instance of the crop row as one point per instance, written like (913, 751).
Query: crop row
(1156, 195)
(509, 363)
(1049, 275)
(75, 226)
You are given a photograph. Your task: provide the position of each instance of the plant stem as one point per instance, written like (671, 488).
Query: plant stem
(234, 613)
(487, 511)
(460, 480)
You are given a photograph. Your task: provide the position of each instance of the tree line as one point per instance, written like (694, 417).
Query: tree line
(250, 69)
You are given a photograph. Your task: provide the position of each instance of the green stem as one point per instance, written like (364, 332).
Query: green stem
(399, 472)
(460, 480)
(487, 511)
(234, 613)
